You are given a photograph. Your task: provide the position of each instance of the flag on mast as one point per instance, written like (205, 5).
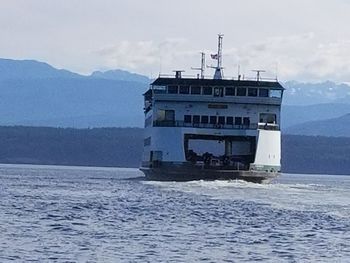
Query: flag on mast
(214, 56)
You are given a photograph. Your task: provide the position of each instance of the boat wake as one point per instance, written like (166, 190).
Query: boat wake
(289, 195)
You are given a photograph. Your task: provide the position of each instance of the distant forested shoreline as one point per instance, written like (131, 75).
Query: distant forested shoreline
(122, 147)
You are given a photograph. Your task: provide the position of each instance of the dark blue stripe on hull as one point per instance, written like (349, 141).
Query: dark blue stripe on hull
(172, 174)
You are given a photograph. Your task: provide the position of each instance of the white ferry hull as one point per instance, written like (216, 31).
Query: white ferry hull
(173, 165)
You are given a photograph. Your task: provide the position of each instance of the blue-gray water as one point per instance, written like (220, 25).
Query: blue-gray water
(61, 214)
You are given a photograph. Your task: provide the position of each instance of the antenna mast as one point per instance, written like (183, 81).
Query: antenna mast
(218, 71)
(219, 74)
(202, 68)
(220, 51)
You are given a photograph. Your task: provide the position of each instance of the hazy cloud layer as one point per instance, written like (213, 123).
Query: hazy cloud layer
(304, 40)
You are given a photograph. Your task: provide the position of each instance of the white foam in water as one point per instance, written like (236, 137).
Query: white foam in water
(296, 196)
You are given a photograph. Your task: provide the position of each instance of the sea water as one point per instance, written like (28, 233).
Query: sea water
(72, 214)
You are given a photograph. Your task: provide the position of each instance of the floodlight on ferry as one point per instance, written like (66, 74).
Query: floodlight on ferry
(258, 73)
(178, 73)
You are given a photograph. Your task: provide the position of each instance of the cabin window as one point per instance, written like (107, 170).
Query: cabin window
(218, 92)
(159, 89)
(195, 90)
(221, 120)
(188, 119)
(147, 141)
(212, 120)
(160, 115)
(204, 119)
(196, 118)
(230, 92)
(207, 91)
(241, 92)
(229, 120)
(148, 121)
(156, 156)
(267, 118)
(263, 93)
(252, 92)
(238, 121)
(184, 89)
(246, 121)
(274, 93)
(170, 115)
(172, 89)
(165, 115)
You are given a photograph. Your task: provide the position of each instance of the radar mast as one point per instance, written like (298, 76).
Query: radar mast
(219, 74)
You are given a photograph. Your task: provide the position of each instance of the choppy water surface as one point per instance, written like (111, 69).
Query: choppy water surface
(60, 214)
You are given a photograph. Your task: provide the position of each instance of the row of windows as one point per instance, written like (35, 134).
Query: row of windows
(216, 120)
(218, 91)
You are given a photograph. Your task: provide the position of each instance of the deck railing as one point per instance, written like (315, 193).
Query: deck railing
(190, 76)
(252, 126)
(204, 125)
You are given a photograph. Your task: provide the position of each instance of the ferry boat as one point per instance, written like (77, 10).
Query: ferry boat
(199, 128)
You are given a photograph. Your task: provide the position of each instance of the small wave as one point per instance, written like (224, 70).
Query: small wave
(279, 195)
(220, 184)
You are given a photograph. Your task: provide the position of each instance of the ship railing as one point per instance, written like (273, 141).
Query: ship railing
(225, 78)
(205, 125)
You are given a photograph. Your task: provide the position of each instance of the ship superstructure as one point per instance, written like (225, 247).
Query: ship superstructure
(199, 128)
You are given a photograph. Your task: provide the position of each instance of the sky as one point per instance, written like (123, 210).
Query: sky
(302, 40)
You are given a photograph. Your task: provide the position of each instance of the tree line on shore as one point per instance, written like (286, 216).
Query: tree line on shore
(122, 147)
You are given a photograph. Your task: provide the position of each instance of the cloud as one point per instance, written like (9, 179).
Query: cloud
(131, 55)
(158, 35)
(145, 56)
(300, 57)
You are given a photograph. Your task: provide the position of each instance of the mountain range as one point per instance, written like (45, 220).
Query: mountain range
(303, 94)
(37, 94)
(336, 127)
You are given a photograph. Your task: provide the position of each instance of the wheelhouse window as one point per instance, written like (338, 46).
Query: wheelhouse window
(229, 120)
(204, 119)
(184, 89)
(274, 93)
(252, 92)
(229, 91)
(159, 89)
(241, 92)
(195, 90)
(172, 89)
(187, 119)
(213, 119)
(218, 92)
(196, 118)
(263, 93)
(207, 91)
